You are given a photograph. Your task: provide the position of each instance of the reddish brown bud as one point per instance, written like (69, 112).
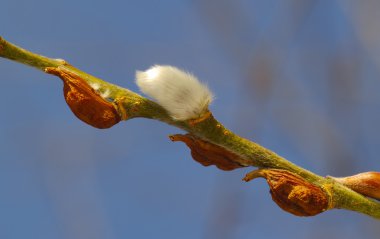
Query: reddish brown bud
(84, 101)
(292, 193)
(208, 153)
(367, 183)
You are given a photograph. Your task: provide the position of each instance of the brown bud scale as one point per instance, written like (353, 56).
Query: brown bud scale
(207, 153)
(84, 101)
(292, 193)
(367, 184)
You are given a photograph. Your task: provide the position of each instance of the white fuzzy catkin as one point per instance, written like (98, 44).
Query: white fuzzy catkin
(179, 92)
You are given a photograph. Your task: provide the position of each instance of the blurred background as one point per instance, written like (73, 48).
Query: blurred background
(300, 77)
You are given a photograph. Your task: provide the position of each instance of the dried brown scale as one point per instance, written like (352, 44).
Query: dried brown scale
(208, 154)
(200, 119)
(84, 102)
(367, 184)
(292, 193)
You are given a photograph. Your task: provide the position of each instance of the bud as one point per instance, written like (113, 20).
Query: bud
(207, 153)
(84, 101)
(292, 193)
(367, 184)
(179, 92)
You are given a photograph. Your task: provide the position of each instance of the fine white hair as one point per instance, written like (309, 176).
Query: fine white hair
(179, 92)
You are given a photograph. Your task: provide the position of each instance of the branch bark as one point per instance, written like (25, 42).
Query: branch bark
(207, 133)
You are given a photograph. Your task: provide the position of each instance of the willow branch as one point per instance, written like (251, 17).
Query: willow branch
(208, 131)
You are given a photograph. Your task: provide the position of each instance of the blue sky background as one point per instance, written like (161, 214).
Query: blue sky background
(299, 77)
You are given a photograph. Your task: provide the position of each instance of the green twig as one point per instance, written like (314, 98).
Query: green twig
(209, 129)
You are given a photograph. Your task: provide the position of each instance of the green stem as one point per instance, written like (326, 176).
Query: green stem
(15, 53)
(210, 130)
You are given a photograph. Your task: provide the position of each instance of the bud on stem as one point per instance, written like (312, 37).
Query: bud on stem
(293, 193)
(367, 184)
(179, 92)
(207, 153)
(84, 101)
